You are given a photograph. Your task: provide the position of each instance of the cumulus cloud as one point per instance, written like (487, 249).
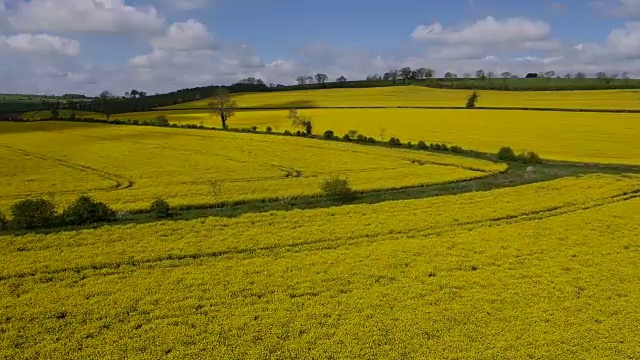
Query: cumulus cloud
(86, 16)
(486, 31)
(189, 35)
(42, 43)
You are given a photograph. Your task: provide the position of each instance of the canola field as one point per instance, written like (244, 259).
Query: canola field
(127, 167)
(423, 96)
(582, 137)
(547, 270)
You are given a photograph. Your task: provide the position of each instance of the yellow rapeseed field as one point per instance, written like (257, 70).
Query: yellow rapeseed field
(128, 166)
(584, 137)
(422, 96)
(547, 270)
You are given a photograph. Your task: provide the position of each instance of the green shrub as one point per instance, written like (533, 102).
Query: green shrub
(533, 158)
(472, 100)
(86, 210)
(507, 154)
(346, 137)
(269, 130)
(160, 208)
(457, 149)
(372, 140)
(254, 128)
(337, 188)
(444, 147)
(436, 147)
(361, 138)
(329, 135)
(161, 120)
(33, 214)
(288, 133)
(4, 222)
(394, 141)
(422, 145)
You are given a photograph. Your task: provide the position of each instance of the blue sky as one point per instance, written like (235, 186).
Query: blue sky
(58, 46)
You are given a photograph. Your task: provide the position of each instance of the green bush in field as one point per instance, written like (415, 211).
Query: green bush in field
(86, 210)
(33, 214)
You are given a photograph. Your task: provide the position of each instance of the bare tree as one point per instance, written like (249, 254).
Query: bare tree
(302, 80)
(341, 79)
(321, 78)
(223, 106)
(480, 74)
(506, 75)
(300, 121)
(309, 79)
(491, 75)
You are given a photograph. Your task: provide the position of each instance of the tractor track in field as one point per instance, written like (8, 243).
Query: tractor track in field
(120, 182)
(175, 260)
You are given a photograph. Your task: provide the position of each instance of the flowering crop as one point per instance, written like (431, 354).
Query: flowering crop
(127, 167)
(548, 269)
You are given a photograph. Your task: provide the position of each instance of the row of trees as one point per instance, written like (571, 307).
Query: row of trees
(425, 73)
(318, 79)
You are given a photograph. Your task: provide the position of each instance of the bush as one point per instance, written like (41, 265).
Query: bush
(86, 210)
(409, 144)
(4, 222)
(394, 141)
(436, 147)
(329, 135)
(507, 154)
(254, 128)
(444, 147)
(338, 188)
(457, 149)
(33, 214)
(299, 133)
(533, 158)
(361, 138)
(422, 145)
(161, 120)
(160, 208)
(372, 140)
(472, 101)
(269, 130)
(346, 137)
(288, 133)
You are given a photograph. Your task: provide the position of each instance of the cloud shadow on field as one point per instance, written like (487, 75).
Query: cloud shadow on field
(296, 104)
(19, 127)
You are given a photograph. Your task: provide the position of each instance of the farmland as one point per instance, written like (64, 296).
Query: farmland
(582, 137)
(546, 270)
(442, 255)
(128, 166)
(418, 96)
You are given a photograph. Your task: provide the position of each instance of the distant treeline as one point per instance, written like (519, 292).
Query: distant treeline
(135, 101)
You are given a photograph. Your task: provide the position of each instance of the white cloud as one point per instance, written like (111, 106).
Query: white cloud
(189, 4)
(86, 16)
(625, 41)
(189, 35)
(485, 31)
(627, 8)
(42, 43)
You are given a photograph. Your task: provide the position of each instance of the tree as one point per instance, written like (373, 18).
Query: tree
(480, 74)
(391, 75)
(309, 79)
(450, 75)
(506, 75)
(321, 78)
(568, 76)
(420, 73)
(302, 80)
(429, 73)
(531, 76)
(491, 75)
(472, 101)
(601, 75)
(223, 106)
(580, 75)
(466, 75)
(104, 100)
(341, 79)
(550, 74)
(300, 121)
(405, 73)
